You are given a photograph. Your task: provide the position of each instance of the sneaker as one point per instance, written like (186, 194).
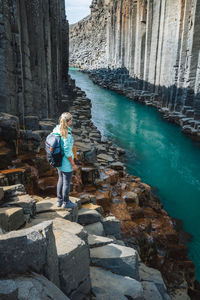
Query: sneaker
(69, 204)
(59, 203)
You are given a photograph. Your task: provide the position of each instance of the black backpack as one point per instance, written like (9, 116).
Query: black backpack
(53, 150)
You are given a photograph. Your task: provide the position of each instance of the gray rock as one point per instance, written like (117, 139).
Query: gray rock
(66, 226)
(49, 205)
(91, 155)
(105, 157)
(153, 276)
(106, 285)
(73, 256)
(8, 290)
(88, 216)
(31, 249)
(118, 259)
(88, 198)
(30, 287)
(150, 291)
(131, 197)
(111, 226)
(98, 241)
(11, 218)
(24, 201)
(13, 191)
(95, 228)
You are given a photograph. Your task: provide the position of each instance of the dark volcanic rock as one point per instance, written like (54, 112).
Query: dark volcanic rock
(31, 249)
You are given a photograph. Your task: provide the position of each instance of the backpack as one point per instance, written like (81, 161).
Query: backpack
(53, 150)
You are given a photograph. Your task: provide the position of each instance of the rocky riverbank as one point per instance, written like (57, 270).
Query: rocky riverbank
(112, 205)
(121, 82)
(147, 50)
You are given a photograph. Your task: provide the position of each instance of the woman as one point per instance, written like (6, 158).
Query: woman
(68, 165)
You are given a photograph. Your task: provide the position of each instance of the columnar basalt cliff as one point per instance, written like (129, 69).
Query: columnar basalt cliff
(33, 55)
(145, 45)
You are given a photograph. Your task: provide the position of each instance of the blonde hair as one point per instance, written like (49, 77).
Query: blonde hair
(64, 119)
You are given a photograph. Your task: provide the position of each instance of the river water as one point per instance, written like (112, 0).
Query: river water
(156, 151)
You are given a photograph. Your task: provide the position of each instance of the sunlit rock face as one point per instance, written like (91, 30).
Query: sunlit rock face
(33, 56)
(156, 41)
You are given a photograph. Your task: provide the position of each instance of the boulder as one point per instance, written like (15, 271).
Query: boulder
(98, 241)
(95, 228)
(105, 157)
(31, 287)
(150, 291)
(24, 201)
(111, 226)
(11, 218)
(31, 249)
(13, 191)
(131, 197)
(88, 216)
(90, 156)
(88, 198)
(73, 257)
(118, 259)
(72, 227)
(106, 285)
(8, 290)
(153, 276)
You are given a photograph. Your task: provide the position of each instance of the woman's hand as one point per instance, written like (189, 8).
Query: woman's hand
(74, 167)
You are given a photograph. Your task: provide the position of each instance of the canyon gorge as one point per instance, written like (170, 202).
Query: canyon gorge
(119, 242)
(147, 50)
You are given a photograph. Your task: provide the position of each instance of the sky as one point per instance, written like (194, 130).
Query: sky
(77, 10)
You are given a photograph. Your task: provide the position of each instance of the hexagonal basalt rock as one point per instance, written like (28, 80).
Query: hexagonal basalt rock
(106, 285)
(73, 256)
(118, 259)
(31, 249)
(88, 216)
(11, 218)
(30, 287)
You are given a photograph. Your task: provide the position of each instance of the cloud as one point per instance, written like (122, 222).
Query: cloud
(77, 9)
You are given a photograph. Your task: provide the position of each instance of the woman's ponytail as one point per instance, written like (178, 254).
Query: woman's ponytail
(64, 119)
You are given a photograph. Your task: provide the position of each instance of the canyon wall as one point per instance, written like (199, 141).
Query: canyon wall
(156, 41)
(33, 56)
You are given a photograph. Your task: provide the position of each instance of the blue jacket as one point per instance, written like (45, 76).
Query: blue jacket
(66, 146)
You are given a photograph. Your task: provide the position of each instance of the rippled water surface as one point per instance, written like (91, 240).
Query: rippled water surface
(157, 151)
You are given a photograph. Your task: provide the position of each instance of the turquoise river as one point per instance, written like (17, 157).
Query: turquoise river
(156, 151)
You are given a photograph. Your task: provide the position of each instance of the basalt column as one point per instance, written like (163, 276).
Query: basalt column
(157, 41)
(33, 55)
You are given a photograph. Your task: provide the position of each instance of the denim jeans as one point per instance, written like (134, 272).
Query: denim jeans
(63, 186)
